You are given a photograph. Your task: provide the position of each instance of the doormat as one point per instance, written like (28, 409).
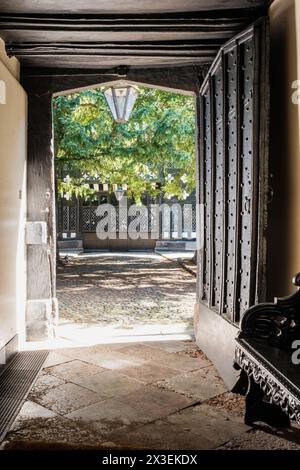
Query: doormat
(16, 381)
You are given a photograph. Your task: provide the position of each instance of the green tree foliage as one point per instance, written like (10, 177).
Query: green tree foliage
(156, 145)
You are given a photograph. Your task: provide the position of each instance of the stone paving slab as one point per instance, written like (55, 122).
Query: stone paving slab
(29, 412)
(109, 384)
(107, 416)
(203, 420)
(159, 435)
(113, 360)
(54, 358)
(85, 352)
(200, 385)
(187, 364)
(150, 372)
(160, 356)
(74, 371)
(66, 398)
(106, 357)
(153, 403)
(173, 346)
(44, 383)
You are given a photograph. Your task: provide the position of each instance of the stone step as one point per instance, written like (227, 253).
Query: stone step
(174, 245)
(70, 244)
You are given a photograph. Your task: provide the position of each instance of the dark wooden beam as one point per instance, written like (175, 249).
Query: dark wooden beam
(100, 55)
(48, 81)
(98, 38)
(164, 19)
(109, 49)
(124, 6)
(226, 19)
(86, 29)
(114, 35)
(147, 45)
(104, 61)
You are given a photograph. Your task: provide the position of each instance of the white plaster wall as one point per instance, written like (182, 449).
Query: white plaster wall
(284, 210)
(11, 63)
(13, 132)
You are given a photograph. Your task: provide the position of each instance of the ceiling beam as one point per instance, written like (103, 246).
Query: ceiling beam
(39, 49)
(114, 36)
(103, 61)
(124, 6)
(88, 21)
(137, 36)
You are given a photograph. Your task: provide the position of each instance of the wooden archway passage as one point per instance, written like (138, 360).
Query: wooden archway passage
(232, 123)
(41, 259)
(162, 46)
(232, 128)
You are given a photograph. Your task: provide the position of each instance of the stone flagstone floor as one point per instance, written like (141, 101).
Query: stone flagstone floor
(132, 394)
(158, 395)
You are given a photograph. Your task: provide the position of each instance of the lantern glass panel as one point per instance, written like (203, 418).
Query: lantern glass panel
(120, 100)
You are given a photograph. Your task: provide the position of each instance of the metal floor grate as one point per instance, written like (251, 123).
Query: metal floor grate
(15, 383)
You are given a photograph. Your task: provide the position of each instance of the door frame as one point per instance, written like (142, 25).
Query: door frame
(211, 323)
(42, 305)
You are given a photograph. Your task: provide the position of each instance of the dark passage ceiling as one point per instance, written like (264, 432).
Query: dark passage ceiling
(96, 34)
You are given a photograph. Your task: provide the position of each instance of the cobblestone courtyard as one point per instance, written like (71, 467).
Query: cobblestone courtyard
(125, 289)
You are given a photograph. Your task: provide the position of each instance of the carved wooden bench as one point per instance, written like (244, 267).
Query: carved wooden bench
(266, 353)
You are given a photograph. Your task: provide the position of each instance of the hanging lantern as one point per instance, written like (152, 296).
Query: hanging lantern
(121, 99)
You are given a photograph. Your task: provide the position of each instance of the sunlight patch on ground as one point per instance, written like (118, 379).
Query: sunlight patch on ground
(70, 335)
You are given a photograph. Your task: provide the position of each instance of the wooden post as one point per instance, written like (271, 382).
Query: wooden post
(41, 256)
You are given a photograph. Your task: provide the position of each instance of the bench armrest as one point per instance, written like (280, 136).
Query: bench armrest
(276, 323)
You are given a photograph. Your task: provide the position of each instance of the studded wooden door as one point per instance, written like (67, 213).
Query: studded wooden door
(234, 108)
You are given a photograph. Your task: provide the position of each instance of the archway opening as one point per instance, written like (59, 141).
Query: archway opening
(126, 215)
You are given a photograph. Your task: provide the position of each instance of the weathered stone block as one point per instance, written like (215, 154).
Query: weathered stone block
(36, 233)
(39, 320)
